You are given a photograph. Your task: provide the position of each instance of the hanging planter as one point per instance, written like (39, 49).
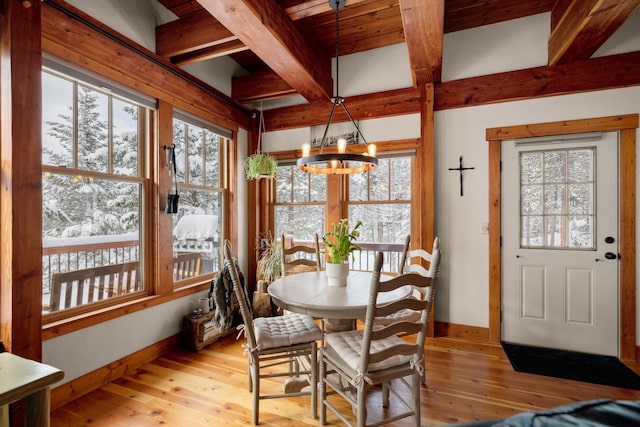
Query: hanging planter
(260, 165)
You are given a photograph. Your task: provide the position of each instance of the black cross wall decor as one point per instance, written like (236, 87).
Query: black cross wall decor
(460, 169)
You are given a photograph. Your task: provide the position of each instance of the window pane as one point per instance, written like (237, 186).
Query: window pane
(179, 140)
(317, 187)
(125, 138)
(580, 199)
(400, 178)
(388, 223)
(581, 231)
(555, 166)
(301, 187)
(379, 181)
(532, 231)
(358, 187)
(93, 125)
(87, 223)
(554, 199)
(532, 199)
(581, 166)
(212, 156)
(196, 156)
(284, 184)
(531, 168)
(300, 221)
(198, 225)
(57, 121)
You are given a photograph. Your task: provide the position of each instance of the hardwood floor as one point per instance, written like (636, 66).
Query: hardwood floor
(465, 381)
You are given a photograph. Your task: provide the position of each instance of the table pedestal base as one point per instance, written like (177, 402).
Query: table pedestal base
(339, 325)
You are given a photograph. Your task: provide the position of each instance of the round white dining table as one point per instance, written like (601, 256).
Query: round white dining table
(340, 306)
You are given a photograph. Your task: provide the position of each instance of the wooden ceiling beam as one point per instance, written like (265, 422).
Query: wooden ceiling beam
(260, 86)
(268, 31)
(191, 33)
(423, 24)
(185, 37)
(607, 72)
(465, 14)
(581, 27)
(216, 51)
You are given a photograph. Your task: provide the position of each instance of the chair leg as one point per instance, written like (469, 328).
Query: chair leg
(361, 410)
(385, 394)
(416, 380)
(314, 379)
(249, 374)
(255, 369)
(323, 389)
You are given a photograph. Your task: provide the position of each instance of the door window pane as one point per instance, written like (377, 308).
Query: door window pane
(557, 194)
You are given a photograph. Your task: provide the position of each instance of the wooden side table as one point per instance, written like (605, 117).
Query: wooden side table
(22, 378)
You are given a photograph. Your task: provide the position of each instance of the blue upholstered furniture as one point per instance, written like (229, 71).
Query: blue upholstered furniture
(601, 412)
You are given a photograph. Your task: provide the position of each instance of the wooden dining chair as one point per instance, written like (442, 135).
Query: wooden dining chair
(299, 258)
(413, 261)
(352, 362)
(276, 341)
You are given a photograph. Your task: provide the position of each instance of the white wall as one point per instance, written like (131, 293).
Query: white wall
(83, 351)
(463, 293)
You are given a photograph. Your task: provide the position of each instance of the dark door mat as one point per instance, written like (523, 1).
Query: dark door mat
(571, 365)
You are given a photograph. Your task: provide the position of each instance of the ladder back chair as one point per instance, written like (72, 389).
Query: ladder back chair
(299, 258)
(413, 261)
(276, 342)
(352, 362)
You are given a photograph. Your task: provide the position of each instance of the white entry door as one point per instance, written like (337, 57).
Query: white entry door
(560, 243)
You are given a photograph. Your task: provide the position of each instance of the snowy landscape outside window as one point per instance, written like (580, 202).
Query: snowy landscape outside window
(557, 197)
(381, 199)
(92, 189)
(197, 227)
(299, 208)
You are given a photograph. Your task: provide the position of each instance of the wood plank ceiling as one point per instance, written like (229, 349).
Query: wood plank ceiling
(287, 45)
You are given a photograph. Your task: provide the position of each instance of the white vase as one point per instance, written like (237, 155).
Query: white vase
(337, 274)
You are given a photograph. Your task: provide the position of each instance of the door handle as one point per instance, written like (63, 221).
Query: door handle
(609, 255)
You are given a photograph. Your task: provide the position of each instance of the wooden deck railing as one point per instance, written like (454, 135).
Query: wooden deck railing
(364, 259)
(60, 259)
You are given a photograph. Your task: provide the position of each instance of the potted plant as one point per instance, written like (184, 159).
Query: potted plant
(269, 262)
(269, 268)
(338, 245)
(260, 165)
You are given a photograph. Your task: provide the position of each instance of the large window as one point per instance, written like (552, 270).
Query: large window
(93, 146)
(380, 199)
(197, 232)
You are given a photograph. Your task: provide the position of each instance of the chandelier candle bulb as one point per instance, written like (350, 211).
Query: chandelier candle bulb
(342, 145)
(371, 148)
(306, 150)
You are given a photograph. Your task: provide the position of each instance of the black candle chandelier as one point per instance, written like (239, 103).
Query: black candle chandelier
(340, 162)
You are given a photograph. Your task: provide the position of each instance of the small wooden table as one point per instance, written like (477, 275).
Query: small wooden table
(22, 378)
(309, 293)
